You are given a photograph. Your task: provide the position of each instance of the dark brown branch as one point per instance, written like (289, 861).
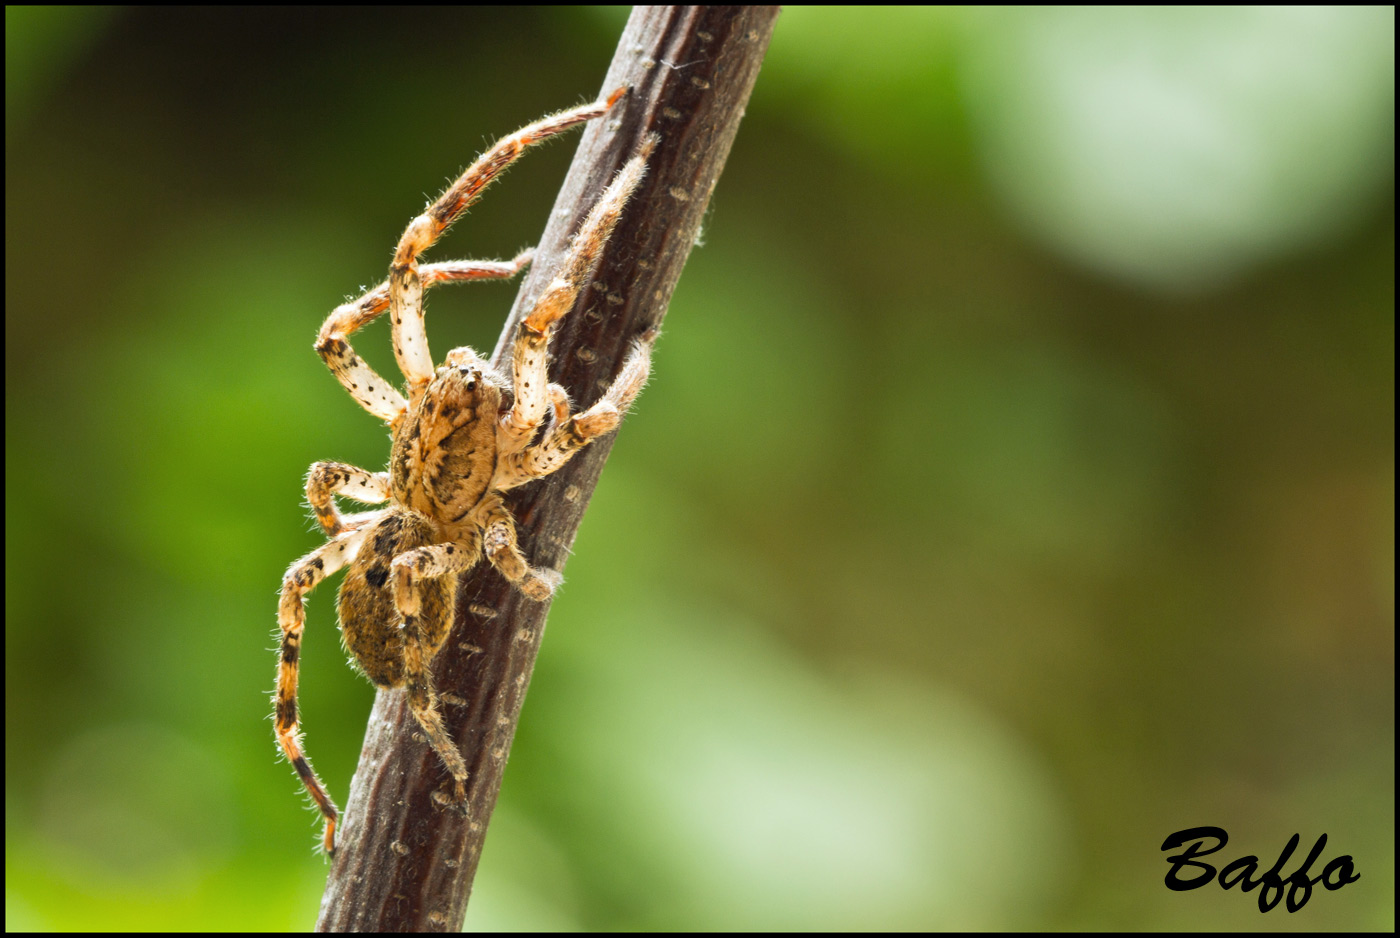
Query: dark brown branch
(405, 860)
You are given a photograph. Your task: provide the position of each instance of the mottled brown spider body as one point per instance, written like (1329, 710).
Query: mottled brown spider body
(371, 629)
(444, 451)
(463, 434)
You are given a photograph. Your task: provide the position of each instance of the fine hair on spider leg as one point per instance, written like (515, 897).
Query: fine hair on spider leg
(463, 433)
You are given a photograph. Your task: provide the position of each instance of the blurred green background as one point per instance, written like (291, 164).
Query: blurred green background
(1015, 486)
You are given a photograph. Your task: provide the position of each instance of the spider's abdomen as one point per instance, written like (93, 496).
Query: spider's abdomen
(370, 627)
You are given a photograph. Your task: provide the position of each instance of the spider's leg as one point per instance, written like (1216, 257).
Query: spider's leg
(327, 479)
(356, 314)
(301, 578)
(569, 434)
(405, 278)
(531, 352)
(559, 405)
(424, 635)
(373, 393)
(539, 583)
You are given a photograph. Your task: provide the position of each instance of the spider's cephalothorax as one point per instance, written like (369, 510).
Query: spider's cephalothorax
(462, 435)
(444, 451)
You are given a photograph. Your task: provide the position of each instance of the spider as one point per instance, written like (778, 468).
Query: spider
(463, 434)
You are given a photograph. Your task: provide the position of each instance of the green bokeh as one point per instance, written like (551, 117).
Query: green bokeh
(1015, 486)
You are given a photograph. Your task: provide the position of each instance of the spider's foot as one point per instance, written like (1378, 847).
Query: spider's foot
(457, 796)
(328, 838)
(601, 418)
(540, 583)
(557, 299)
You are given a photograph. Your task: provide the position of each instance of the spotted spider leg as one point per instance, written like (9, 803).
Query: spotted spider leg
(568, 434)
(301, 578)
(371, 391)
(503, 551)
(412, 571)
(323, 482)
(405, 278)
(327, 479)
(534, 396)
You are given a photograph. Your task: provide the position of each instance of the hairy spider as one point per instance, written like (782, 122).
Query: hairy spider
(462, 435)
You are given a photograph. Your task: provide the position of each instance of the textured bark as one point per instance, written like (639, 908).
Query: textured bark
(405, 861)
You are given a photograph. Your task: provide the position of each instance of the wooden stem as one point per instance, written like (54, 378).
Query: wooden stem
(406, 862)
